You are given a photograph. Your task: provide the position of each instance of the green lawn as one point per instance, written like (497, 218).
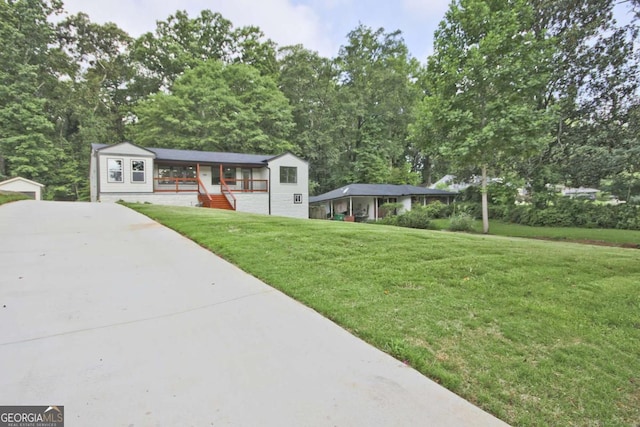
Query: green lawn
(535, 332)
(588, 235)
(6, 197)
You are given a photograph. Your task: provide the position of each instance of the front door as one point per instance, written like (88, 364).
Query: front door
(247, 184)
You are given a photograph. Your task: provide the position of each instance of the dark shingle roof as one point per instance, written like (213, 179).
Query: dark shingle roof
(168, 154)
(378, 190)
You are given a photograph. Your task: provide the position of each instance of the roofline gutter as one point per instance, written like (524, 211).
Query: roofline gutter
(269, 169)
(96, 156)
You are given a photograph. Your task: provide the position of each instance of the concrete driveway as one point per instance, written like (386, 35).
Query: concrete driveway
(127, 323)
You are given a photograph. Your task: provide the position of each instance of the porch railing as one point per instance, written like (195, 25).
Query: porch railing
(251, 186)
(225, 190)
(175, 185)
(202, 190)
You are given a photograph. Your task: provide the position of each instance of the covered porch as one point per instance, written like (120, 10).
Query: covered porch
(363, 202)
(358, 209)
(214, 184)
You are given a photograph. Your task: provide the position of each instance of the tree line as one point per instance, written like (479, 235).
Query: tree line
(540, 92)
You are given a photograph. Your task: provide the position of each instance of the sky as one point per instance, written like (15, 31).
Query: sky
(319, 25)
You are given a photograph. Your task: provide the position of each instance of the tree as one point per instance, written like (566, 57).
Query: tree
(26, 59)
(310, 83)
(594, 83)
(376, 94)
(181, 43)
(93, 100)
(217, 107)
(486, 76)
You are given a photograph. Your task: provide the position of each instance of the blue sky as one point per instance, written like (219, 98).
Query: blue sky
(320, 25)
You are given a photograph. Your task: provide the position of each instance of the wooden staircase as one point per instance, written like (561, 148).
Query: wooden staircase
(216, 201)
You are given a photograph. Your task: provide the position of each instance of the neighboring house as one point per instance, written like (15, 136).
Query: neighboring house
(586, 193)
(23, 185)
(449, 183)
(257, 183)
(362, 202)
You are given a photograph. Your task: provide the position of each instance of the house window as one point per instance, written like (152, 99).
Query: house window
(228, 172)
(166, 173)
(114, 170)
(137, 171)
(297, 199)
(288, 175)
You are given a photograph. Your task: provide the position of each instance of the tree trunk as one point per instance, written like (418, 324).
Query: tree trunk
(485, 201)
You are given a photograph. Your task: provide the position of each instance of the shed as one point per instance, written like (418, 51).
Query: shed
(23, 185)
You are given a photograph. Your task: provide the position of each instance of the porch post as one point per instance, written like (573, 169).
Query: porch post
(375, 208)
(198, 178)
(350, 206)
(331, 209)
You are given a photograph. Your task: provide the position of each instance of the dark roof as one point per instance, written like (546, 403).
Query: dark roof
(378, 190)
(169, 154)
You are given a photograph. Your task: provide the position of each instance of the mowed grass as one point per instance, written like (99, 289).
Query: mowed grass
(535, 332)
(7, 196)
(587, 235)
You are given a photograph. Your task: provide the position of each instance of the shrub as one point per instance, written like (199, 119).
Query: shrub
(390, 209)
(388, 220)
(418, 217)
(461, 222)
(566, 212)
(436, 209)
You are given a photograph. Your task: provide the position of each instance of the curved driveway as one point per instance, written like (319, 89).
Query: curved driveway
(127, 323)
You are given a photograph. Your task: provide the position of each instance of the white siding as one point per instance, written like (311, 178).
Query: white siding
(253, 202)
(127, 185)
(126, 152)
(282, 194)
(205, 177)
(406, 203)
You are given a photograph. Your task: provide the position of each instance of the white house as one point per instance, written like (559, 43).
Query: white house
(585, 193)
(256, 183)
(361, 202)
(23, 185)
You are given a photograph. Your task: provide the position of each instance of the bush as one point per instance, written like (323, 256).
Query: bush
(566, 212)
(390, 209)
(436, 209)
(418, 217)
(461, 222)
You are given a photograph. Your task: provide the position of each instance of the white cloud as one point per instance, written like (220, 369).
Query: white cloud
(280, 20)
(430, 10)
(320, 25)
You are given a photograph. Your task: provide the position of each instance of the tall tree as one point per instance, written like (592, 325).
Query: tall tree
(594, 84)
(217, 107)
(181, 43)
(309, 81)
(93, 101)
(377, 94)
(26, 59)
(486, 77)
